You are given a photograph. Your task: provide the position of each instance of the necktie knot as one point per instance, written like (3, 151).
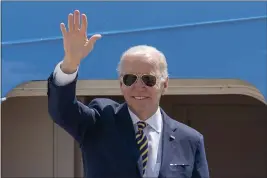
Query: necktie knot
(141, 125)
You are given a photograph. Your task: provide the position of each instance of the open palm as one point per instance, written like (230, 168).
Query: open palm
(76, 44)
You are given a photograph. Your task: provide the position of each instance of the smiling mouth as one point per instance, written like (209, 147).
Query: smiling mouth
(140, 97)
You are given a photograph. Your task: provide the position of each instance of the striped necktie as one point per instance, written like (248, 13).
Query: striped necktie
(142, 143)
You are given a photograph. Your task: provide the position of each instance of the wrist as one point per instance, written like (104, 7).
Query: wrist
(68, 67)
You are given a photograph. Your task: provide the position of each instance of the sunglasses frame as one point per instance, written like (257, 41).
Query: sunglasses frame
(138, 77)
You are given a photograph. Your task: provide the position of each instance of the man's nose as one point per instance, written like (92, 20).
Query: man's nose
(139, 83)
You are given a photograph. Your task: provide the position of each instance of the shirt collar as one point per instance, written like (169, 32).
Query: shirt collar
(155, 121)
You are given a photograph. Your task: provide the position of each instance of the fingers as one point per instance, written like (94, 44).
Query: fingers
(76, 20)
(93, 39)
(76, 24)
(70, 22)
(63, 29)
(84, 24)
(91, 42)
(96, 37)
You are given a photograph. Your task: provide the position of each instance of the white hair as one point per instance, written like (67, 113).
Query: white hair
(146, 51)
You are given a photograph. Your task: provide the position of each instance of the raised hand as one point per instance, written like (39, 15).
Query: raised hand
(76, 44)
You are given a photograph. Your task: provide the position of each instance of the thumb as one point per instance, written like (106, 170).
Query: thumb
(91, 42)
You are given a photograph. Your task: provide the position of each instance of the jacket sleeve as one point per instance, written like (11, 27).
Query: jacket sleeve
(201, 169)
(67, 112)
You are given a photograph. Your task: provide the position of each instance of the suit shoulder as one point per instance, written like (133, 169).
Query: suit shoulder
(102, 103)
(187, 131)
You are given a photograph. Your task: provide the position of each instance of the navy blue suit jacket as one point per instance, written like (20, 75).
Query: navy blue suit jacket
(106, 136)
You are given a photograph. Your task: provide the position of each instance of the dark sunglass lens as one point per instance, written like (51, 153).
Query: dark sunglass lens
(129, 79)
(149, 80)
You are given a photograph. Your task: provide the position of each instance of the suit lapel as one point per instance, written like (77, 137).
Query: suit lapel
(169, 150)
(127, 133)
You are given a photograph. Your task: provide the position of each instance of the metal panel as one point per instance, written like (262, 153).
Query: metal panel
(27, 139)
(176, 87)
(32, 146)
(208, 40)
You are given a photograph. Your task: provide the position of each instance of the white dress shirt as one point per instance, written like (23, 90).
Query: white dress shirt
(153, 131)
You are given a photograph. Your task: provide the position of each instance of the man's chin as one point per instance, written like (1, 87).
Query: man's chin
(141, 109)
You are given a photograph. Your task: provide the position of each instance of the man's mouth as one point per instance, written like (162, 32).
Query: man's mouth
(140, 97)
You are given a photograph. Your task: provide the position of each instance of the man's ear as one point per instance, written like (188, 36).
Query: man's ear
(165, 86)
(166, 83)
(120, 83)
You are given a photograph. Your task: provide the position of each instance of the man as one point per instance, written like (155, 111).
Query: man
(134, 139)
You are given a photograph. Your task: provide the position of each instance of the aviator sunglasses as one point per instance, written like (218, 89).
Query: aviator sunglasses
(148, 79)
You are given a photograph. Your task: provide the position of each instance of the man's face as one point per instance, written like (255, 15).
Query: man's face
(140, 97)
